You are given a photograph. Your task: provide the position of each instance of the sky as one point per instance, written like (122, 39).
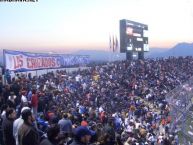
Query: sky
(72, 25)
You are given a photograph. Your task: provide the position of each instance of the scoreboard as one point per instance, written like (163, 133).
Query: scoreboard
(133, 36)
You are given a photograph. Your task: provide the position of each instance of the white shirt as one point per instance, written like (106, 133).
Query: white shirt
(129, 128)
(77, 78)
(84, 86)
(16, 126)
(127, 121)
(101, 109)
(14, 97)
(23, 99)
(137, 125)
(3, 114)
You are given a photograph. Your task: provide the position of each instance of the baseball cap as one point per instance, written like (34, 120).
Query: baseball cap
(82, 131)
(84, 123)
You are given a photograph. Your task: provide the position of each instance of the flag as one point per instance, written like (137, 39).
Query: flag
(113, 44)
(110, 43)
(116, 44)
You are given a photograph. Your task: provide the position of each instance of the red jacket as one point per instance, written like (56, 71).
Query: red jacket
(34, 100)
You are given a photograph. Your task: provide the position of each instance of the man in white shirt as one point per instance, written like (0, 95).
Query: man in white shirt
(24, 101)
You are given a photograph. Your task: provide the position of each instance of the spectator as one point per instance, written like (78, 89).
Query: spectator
(11, 100)
(8, 76)
(65, 124)
(4, 109)
(8, 127)
(27, 134)
(17, 124)
(53, 136)
(34, 103)
(82, 136)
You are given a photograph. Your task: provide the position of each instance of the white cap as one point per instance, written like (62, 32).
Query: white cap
(24, 108)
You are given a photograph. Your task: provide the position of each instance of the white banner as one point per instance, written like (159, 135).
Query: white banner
(21, 61)
(24, 61)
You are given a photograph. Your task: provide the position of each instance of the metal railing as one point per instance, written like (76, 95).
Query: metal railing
(180, 101)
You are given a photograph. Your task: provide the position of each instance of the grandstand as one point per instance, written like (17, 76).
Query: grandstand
(136, 99)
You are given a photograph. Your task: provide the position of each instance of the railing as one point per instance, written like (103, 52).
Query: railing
(180, 102)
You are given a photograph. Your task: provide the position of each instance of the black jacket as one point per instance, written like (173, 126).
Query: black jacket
(46, 142)
(75, 142)
(28, 135)
(7, 127)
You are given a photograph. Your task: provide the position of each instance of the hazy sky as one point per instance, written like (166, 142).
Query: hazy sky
(71, 25)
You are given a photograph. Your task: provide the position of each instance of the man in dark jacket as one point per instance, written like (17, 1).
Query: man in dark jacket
(109, 131)
(82, 136)
(53, 136)
(8, 127)
(28, 135)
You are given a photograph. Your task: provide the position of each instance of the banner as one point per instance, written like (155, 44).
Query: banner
(70, 60)
(24, 61)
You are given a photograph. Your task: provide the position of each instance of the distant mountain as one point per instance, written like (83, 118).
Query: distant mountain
(181, 49)
(153, 52)
(99, 55)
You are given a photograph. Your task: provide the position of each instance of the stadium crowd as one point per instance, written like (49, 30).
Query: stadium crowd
(120, 103)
